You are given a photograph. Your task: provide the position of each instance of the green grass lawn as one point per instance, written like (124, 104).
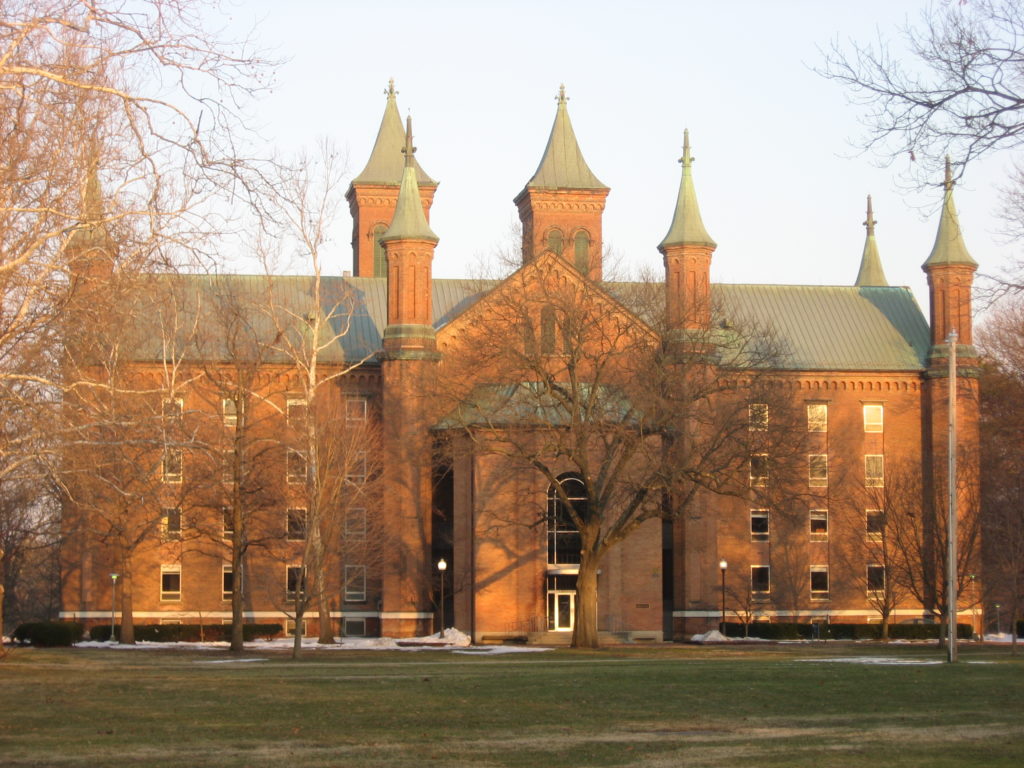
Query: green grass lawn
(783, 705)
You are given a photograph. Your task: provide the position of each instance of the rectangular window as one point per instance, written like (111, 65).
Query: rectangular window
(874, 471)
(355, 583)
(295, 581)
(172, 409)
(355, 409)
(819, 525)
(227, 517)
(355, 524)
(357, 468)
(289, 627)
(354, 627)
(171, 465)
(759, 525)
(296, 525)
(876, 579)
(227, 466)
(227, 581)
(819, 582)
(229, 411)
(872, 418)
(817, 417)
(296, 466)
(170, 582)
(759, 469)
(170, 524)
(874, 524)
(760, 580)
(295, 411)
(817, 470)
(757, 417)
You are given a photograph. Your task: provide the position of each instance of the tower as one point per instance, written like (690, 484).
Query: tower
(561, 205)
(870, 273)
(407, 367)
(373, 194)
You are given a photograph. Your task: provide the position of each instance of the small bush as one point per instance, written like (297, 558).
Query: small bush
(48, 633)
(798, 631)
(187, 633)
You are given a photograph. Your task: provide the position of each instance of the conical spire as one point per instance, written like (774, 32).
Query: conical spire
(687, 226)
(949, 245)
(563, 166)
(385, 165)
(92, 231)
(409, 222)
(871, 273)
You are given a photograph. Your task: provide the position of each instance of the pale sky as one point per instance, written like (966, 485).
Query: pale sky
(781, 188)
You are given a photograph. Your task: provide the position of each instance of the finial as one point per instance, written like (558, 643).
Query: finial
(562, 98)
(408, 150)
(870, 222)
(686, 160)
(391, 92)
(948, 185)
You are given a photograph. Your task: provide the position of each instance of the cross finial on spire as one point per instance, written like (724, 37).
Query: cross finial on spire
(948, 184)
(870, 222)
(408, 150)
(562, 98)
(391, 92)
(686, 160)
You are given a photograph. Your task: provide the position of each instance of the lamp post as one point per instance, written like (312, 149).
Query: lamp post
(722, 565)
(113, 603)
(442, 566)
(999, 619)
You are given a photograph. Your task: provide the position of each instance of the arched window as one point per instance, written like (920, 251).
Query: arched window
(547, 330)
(581, 245)
(555, 241)
(380, 259)
(563, 535)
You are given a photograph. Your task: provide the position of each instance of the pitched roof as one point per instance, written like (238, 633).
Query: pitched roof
(949, 245)
(563, 166)
(870, 272)
(687, 226)
(387, 163)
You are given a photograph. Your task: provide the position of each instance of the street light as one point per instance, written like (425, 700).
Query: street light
(999, 619)
(113, 603)
(722, 565)
(442, 566)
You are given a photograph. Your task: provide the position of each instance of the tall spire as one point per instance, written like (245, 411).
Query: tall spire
(91, 233)
(871, 273)
(687, 226)
(385, 165)
(409, 222)
(949, 245)
(563, 166)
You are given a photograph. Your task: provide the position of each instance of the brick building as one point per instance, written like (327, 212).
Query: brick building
(843, 425)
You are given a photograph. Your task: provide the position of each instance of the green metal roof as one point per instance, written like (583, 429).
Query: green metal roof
(871, 272)
(387, 163)
(563, 166)
(409, 221)
(949, 245)
(687, 226)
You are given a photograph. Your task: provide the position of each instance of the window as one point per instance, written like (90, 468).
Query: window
(171, 465)
(876, 579)
(817, 417)
(227, 466)
(227, 516)
(229, 412)
(819, 525)
(757, 417)
(227, 581)
(289, 627)
(296, 525)
(296, 466)
(355, 583)
(819, 582)
(354, 627)
(874, 524)
(817, 470)
(170, 582)
(555, 241)
(563, 534)
(380, 257)
(295, 412)
(872, 418)
(548, 325)
(170, 524)
(759, 469)
(355, 524)
(295, 581)
(581, 251)
(759, 525)
(355, 409)
(760, 580)
(357, 468)
(874, 471)
(172, 409)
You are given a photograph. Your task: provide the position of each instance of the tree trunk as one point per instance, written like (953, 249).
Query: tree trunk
(300, 610)
(127, 618)
(237, 615)
(584, 630)
(885, 627)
